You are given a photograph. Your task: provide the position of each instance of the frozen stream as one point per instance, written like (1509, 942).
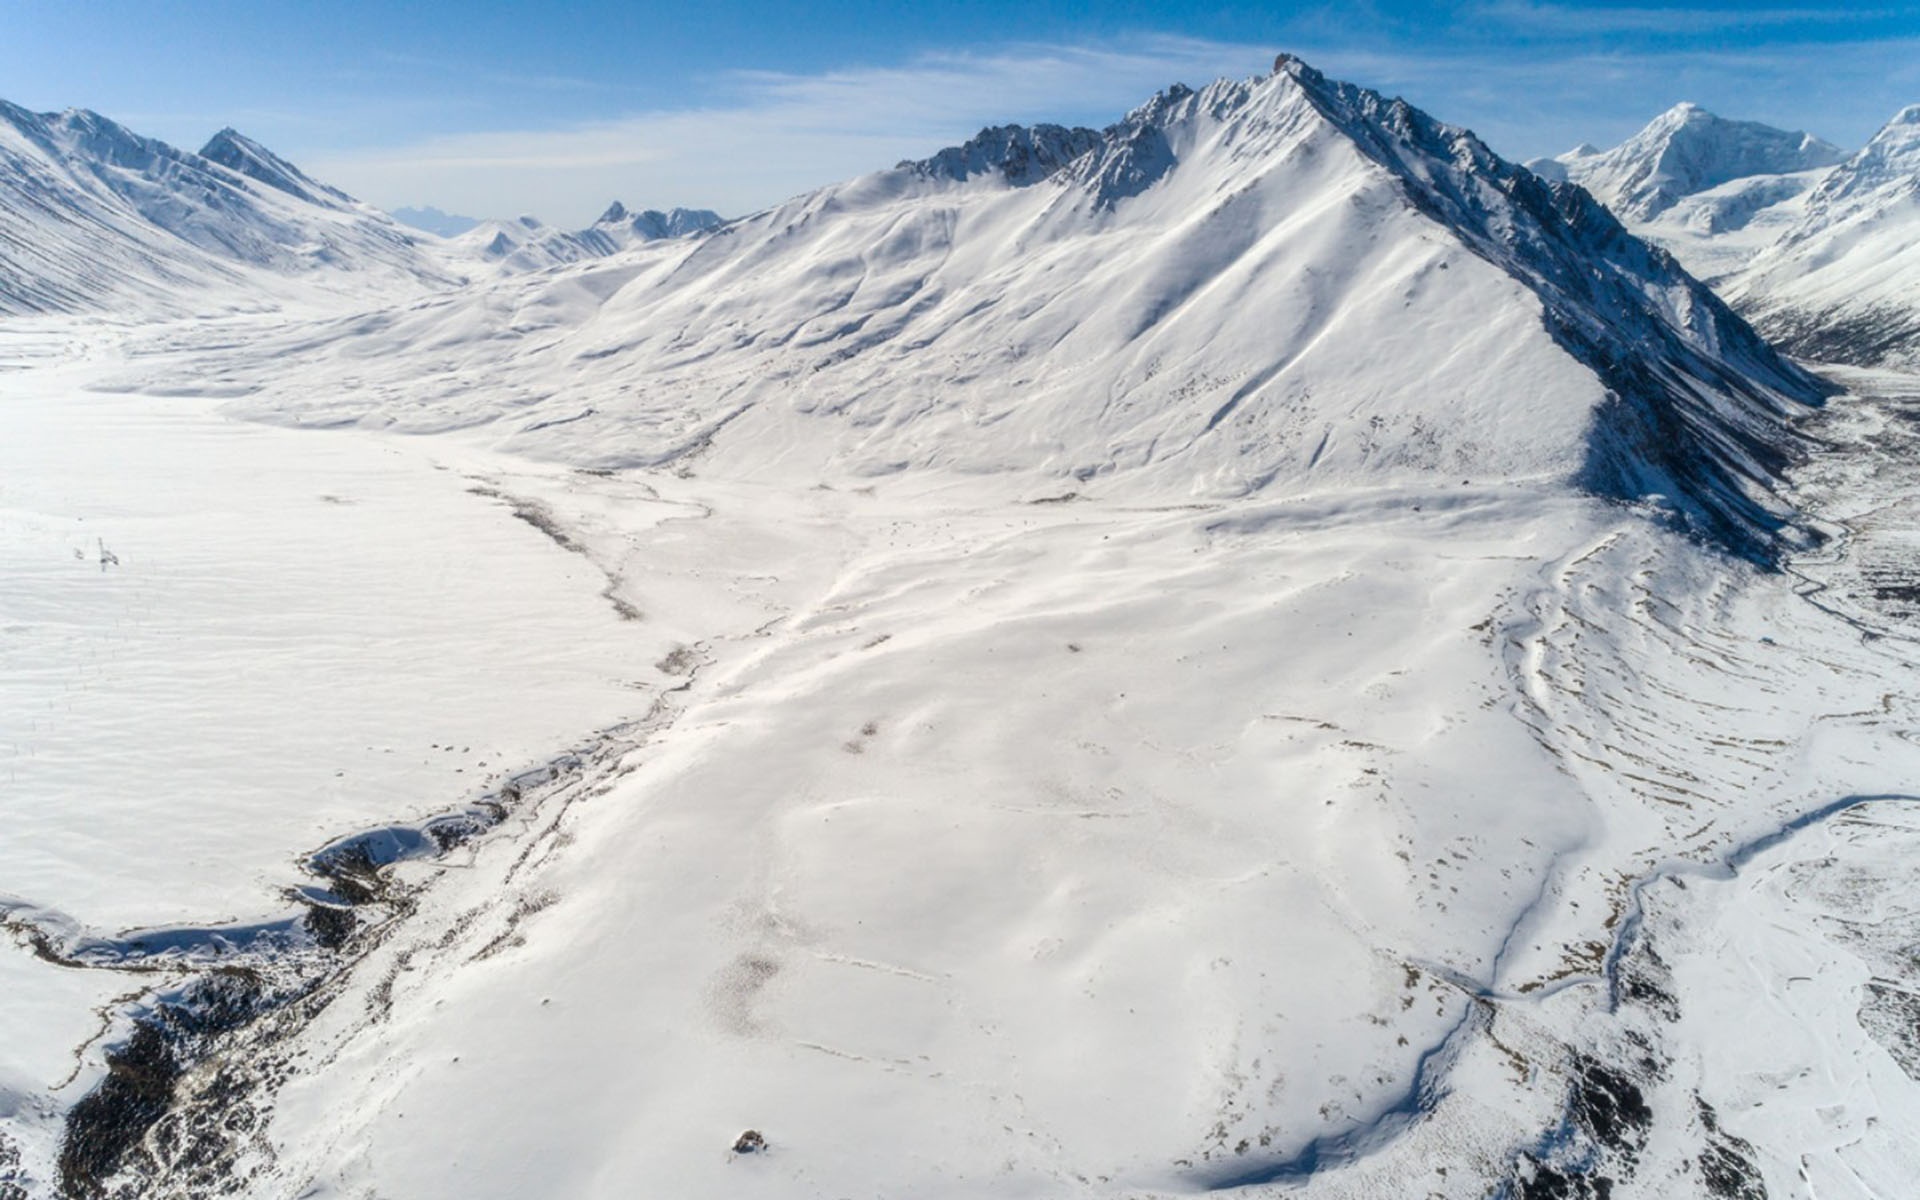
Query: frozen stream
(291, 636)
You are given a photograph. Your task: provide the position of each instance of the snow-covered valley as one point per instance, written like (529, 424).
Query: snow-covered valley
(1281, 654)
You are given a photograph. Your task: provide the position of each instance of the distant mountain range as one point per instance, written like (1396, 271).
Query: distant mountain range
(529, 244)
(1820, 248)
(432, 220)
(94, 216)
(1685, 150)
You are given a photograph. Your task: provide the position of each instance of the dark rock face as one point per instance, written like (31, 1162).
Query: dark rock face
(1022, 155)
(1881, 336)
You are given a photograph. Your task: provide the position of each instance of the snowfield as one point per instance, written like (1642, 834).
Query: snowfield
(1263, 649)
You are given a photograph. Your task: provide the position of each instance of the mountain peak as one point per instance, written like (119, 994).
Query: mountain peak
(115, 218)
(85, 134)
(1122, 160)
(1841, 284)
(1279, 278)
(651, 225)
(1901, 133)
(1597, 285)
(237, 152)
(527, 243)
(1020, 154)
(1294, 67)
(1892, 157)
(1687, 149)
(433, 220)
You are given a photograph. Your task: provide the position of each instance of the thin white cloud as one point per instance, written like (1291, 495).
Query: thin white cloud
(780, 133)
(777, 134)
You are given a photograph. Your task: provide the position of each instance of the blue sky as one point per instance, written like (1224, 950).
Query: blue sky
(494, 110)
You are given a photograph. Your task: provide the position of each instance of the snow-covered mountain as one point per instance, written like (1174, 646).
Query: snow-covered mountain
(627, 228)
(1286, 279)
(1683, 151)
(1818, 248)
(1019, 154)
(527, 243)
(94, 215)
(242, 154)
(1842, 282)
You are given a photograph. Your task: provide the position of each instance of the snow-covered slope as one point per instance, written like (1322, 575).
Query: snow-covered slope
(1842, 284)
(1284, 279)
(1715, 233)
(529, 244)
(1683, 151)
(93, 216)
(524, 243)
